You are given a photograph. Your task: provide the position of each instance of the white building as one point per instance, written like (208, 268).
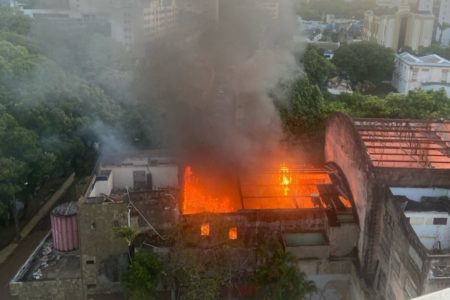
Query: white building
(143, 169)
(443, 19)
(428, 212)
(426, 72)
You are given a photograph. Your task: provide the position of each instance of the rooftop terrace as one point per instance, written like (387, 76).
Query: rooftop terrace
(48, 264)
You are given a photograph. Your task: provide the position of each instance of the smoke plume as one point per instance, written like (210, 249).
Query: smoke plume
(211, 77)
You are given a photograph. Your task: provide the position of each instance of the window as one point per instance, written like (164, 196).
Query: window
(439, 221)
(233, 233)
(414, 75)
(425, 75)
(90, 262)
(204, 229)
(444, 75)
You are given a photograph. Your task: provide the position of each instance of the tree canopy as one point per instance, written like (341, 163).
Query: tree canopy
(278, 277)
(57, 102)
(143, 276)
(316, 66)
(365, 61)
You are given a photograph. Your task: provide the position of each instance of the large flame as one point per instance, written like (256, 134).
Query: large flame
(284, 187)
(208, 195)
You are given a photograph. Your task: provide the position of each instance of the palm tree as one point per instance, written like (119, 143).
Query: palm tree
(278, 276)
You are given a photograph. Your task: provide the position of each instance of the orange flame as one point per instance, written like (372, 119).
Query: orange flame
(207, 194)
(233, 233)
(204, 229)
(285, 179)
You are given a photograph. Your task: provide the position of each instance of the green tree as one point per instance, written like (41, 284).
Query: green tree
(300, 104)
(365, 61)
(278, 276)
(418, 104)
(14, 20)
(143, 276)
(316, 66)
(12, 173)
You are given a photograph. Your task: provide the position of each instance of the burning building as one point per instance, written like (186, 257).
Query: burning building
(372, 222)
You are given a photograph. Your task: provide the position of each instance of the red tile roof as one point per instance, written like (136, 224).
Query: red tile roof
(406, 143)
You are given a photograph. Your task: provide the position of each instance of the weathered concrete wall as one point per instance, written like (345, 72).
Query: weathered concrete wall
(304, 252)
(343, 239)
(67, 289)
(252, 227)
(344, 147)
(102, 254)
(402, 259)
(337, 279)
(413, 177)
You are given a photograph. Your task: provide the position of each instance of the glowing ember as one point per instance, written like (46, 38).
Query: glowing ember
(233, 233)
(204, 229)
(285, 179)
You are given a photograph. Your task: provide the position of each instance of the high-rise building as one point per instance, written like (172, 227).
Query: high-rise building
(443, 23)
(404, 29)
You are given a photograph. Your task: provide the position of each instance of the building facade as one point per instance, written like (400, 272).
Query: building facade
(384, 161)
(426, 72)
(443, 22)
(400, 30)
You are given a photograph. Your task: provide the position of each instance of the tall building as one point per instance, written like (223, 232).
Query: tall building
(443, 21)
(400, 30)
(158, 17)
(132, 21)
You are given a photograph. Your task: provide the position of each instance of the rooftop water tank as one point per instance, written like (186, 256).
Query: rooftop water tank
(64, 227)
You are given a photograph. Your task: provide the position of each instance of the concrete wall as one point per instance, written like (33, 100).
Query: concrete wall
(67, 289)
(344, 147)
(429, 234)
(404, 177)
(401, 257)
(304, 252)
(163, 176)
(102, 187)
(417, 193)
(334, 279)
(343, 239)
(102, 254)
